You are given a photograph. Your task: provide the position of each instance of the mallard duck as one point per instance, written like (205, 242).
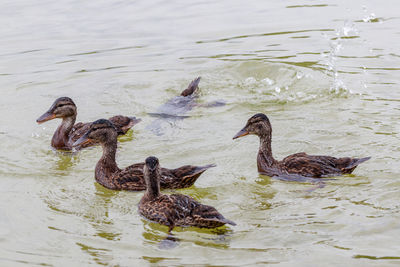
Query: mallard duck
(68, 132)
(176, 209)
(131, 178)
(297, 164)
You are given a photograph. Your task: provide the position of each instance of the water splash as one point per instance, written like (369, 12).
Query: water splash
(336, 44)
(289, 86)
(370, 17)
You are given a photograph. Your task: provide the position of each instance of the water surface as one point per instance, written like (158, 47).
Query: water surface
(326, 73)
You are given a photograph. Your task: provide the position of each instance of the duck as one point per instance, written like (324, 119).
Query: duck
(299, 164)
(109, 175)
(176, 108)
(68, 132)
(174, 209)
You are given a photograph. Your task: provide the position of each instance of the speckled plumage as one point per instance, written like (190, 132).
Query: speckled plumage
(69, 132)
(300, 163)
(176, 209)
(108, 174)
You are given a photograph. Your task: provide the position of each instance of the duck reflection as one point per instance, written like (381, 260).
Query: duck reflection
(65, 160)
(154, 234)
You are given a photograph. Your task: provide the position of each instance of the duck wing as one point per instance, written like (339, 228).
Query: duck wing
(189, 212)
(310, 165)
(181, 210)
(130, 178)
(319, 166)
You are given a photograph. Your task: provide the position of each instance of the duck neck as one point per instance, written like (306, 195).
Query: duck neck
(107, 165)
(265, 157)
(153, 185)
(60, 138)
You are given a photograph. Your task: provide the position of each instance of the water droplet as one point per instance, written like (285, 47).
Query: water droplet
(267, 81)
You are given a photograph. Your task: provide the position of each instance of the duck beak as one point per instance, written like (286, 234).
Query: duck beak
(82, 141)
(46, 117)
(241, 133)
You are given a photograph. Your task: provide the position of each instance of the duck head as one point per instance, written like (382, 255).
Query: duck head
(63, 107)
(101, 131)
(258, 125)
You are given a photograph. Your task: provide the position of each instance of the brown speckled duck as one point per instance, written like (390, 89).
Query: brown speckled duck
(176, 209)
(68, 132)
(296, 164)
(131, 178)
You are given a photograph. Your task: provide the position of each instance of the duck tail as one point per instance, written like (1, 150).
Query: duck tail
(198, 170)
(354, 163)
(192, 87)
(205, 167)
(124, 123)
(134, 121)
(227, 221)
(219, 221)
(192, 173)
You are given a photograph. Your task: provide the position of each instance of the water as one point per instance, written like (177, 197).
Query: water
(326, 74)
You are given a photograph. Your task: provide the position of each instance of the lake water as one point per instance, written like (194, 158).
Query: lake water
(327, 73)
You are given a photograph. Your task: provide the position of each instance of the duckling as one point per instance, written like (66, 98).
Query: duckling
(131, 178)
(68, 132)
(176, 209)
(297, 164)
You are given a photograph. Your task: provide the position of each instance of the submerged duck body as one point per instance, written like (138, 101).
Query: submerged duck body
(108, 174)
(69, 132)
(176, 108)
(302, 164)
(176, 209)
(179, 105)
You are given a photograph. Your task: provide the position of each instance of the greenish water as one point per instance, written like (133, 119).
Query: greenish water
(326, 73)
